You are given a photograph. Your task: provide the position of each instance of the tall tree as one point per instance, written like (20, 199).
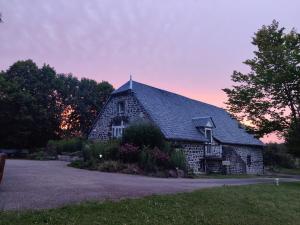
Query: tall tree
(36, 105)
(269, 95)
(40, 85)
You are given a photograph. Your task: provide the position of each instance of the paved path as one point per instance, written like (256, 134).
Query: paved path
(31, 184)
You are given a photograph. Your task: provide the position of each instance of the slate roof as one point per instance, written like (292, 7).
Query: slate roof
(200, 122)
(173, 114)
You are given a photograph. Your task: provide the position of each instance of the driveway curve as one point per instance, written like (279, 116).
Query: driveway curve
(32, 184)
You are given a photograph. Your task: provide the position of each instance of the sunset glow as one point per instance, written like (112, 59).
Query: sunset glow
(187, 47)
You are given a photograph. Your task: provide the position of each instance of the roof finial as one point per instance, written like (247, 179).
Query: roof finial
(130, 82)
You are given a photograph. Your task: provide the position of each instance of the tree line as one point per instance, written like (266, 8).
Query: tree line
(38, 104)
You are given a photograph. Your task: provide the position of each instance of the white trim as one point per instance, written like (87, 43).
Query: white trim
(117, 131)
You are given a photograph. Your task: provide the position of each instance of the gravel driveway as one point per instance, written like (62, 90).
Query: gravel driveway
(31, 184)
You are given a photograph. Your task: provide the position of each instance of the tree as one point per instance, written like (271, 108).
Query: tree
(39, 87)
(37, 105)
(293, 139)
(269, 95)
(82, 101)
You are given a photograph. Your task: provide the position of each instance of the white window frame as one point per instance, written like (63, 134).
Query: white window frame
(117, 131)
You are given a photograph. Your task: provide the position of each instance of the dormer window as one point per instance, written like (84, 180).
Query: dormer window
(121, 107)
(205, 126)
(208, 134)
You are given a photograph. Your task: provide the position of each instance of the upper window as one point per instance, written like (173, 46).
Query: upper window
(208, 134)
(121, 107)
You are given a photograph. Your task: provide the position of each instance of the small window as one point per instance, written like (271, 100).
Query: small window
(208, 134)
(121, 107)
(117, 131)
(248, 160)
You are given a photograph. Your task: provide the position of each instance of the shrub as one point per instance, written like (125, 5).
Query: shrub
(160, 158)
(146, 160)
(108, 150)
(111, 166)
(144, 134)
(276, 155)
(65, 145)
(129, 153)
(178, 159)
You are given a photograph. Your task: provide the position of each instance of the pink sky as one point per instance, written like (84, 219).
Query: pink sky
(186, 46)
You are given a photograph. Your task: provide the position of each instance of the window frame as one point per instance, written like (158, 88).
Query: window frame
(121, 107)
(117, 131)
(211, 136)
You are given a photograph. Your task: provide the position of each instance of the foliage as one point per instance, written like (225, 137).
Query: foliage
(293, 139)
(276, 155)
(111, 166)
(102, 150)
(177, 159)
(144, 134)
(65, 145)
(41, 155)
(146, 161)
(161, 158)
(254, 204)
(269, 95)
(37, 105)
(129, 152)
(153, 159)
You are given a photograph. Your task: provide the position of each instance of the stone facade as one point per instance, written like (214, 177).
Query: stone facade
(133, 111)
(194, 153)
(252, 157)
(243, 159)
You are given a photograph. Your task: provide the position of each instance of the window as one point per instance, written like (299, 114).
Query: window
(117, 131)
(248, 160)
(121, 107)
(208, 134)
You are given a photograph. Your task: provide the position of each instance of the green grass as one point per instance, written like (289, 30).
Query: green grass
(243, 205)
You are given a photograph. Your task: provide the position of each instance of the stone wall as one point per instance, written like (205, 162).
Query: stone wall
(133, 112)
(237, 155)
(194, 156)
(256, 165)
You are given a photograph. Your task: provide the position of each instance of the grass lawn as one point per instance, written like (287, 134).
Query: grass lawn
(254, 204)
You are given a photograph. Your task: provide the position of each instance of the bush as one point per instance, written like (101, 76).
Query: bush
(178, 159)
(160, 158)
(129, 153)
(144, 134)
(41, 155)
(65, 145)
(146, 160)
(111, 166)
(108, 150)
(276, 155)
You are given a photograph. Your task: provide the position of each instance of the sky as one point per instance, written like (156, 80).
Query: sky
(190, 47)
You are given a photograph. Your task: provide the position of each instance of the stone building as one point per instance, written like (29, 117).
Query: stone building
(211, 139)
